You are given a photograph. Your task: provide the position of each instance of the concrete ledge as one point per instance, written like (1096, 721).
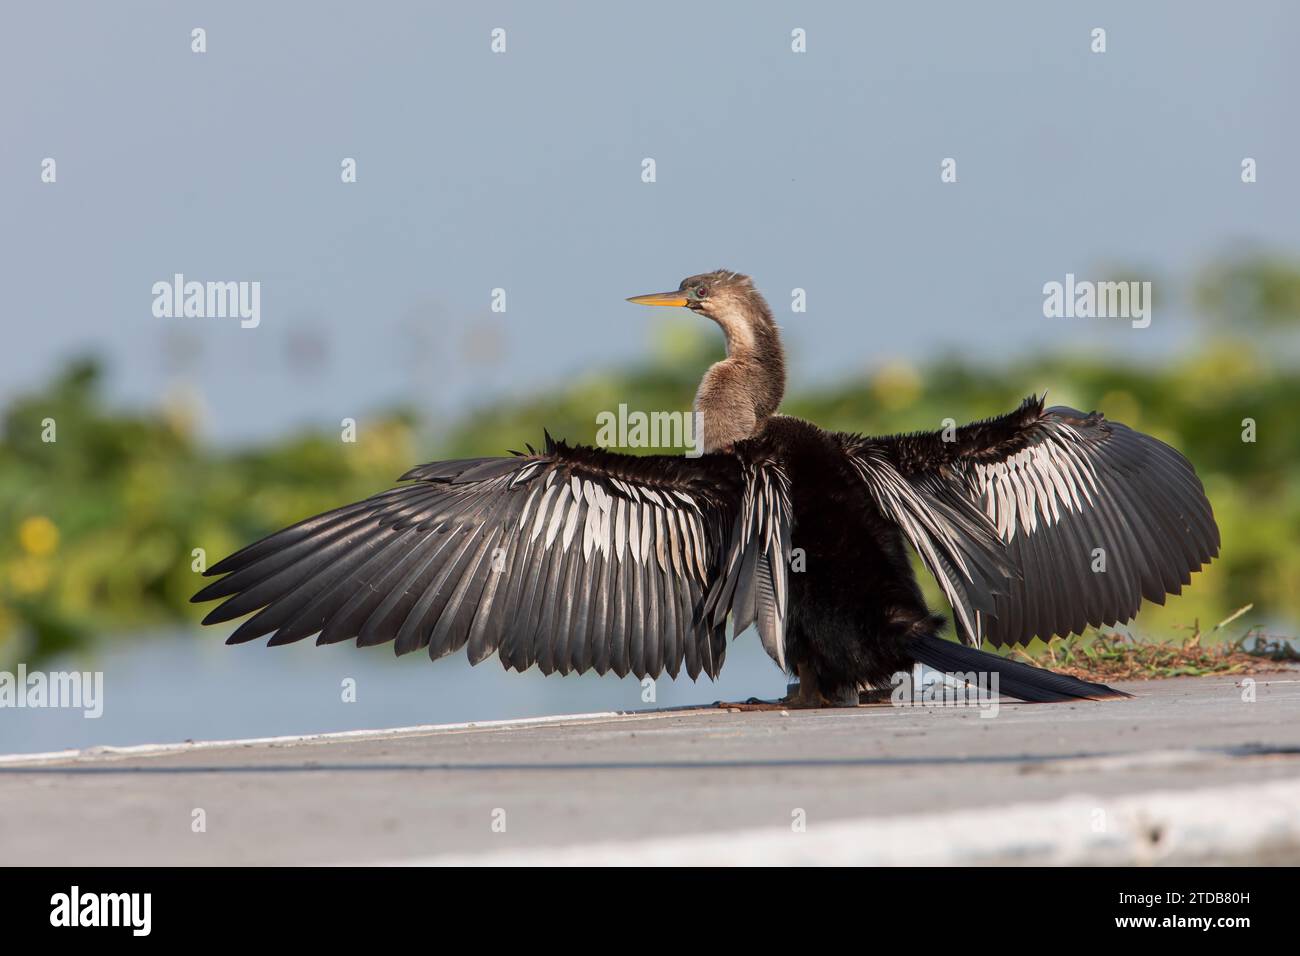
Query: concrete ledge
(107, 751)
(1192, 770)
(1258, 823)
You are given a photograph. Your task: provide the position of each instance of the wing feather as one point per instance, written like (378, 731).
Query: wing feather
(572, 559)
(1043, 521)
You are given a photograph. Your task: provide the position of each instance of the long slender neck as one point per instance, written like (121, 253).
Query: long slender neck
(754, 349)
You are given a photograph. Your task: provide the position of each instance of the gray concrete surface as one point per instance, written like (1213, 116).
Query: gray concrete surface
(638, 783)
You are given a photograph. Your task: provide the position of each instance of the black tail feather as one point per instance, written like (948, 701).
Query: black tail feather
(1024, 681)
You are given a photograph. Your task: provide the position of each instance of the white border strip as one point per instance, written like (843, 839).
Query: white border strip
(150, 750)
(1254, 823)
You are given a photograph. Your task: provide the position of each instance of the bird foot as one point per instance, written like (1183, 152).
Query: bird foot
(807, 694)
(752, 704)
(803, 695)
(875, 695)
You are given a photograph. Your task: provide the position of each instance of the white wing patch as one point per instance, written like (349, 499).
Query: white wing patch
(662, 527)
(1035, 483)
(666, 531)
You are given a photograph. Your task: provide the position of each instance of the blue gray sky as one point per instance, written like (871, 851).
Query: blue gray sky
(522, 170)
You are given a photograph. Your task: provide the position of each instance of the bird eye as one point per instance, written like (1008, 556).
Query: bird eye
(701, 292)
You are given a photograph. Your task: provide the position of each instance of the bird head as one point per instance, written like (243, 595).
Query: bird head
(714, 294)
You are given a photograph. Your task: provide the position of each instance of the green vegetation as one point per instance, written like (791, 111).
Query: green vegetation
(98, 528)
(1112, 656)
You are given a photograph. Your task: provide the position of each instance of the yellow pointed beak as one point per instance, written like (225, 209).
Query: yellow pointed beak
(660, 298)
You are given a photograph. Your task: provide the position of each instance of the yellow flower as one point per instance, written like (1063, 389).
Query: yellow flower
(38, 536)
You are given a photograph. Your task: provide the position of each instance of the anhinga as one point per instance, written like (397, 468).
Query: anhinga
(575, 558)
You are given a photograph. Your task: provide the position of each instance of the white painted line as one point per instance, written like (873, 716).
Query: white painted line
(1246, 823)
(151, 750)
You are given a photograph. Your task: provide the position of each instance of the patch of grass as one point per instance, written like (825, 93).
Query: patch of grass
(1114, 656)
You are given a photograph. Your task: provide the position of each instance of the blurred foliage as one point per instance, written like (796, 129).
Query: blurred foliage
(98, 527)
(1253, 290)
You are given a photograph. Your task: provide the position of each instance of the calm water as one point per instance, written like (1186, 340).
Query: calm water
(192, 686)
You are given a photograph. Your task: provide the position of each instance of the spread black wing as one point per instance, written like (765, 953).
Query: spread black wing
(1043, 521)
(571, 559)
